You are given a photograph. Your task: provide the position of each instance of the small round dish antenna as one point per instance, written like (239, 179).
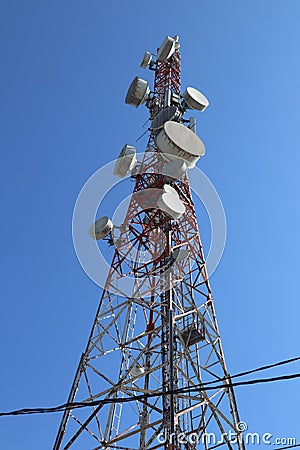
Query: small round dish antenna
(177, 141)
(137, 371)
(101, 228)
(194, 99)
(166, 49)
(137, 93)
(171, 205)
(170, 189)
(146, 60)
(174, 170)
(126, 161)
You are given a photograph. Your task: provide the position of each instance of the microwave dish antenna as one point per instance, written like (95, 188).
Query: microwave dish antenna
(174, 170)
(194, 99)
(101, 228)
(171, 205)
(126, 161)
(170, 189)
(147, 58)
(166, 49)
(177, 141)
(138, 92)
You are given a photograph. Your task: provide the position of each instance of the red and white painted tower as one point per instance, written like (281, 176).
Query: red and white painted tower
(153, 374)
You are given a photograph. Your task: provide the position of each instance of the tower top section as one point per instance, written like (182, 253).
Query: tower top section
(166, 92)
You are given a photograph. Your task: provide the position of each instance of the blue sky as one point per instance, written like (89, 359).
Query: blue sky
(65, 69)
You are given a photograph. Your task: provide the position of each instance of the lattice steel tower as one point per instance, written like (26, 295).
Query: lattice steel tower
(154, 367)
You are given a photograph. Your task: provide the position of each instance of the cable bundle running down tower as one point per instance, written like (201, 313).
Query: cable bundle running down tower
(150, 354)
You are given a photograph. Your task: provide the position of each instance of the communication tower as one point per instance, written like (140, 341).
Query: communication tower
(153, 374)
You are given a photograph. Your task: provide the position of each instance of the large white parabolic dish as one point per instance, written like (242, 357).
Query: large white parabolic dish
(166, 49)
(101, 228)
(137, 93)
(126, 161)
(177, 141)
(195, 99)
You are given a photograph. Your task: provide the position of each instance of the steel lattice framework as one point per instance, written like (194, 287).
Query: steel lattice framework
(150, 355)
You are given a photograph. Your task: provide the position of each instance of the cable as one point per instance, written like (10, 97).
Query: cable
(258, 369)
(269, 366)
(76, 405)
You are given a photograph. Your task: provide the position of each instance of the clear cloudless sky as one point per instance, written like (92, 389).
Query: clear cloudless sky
(65, 69)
